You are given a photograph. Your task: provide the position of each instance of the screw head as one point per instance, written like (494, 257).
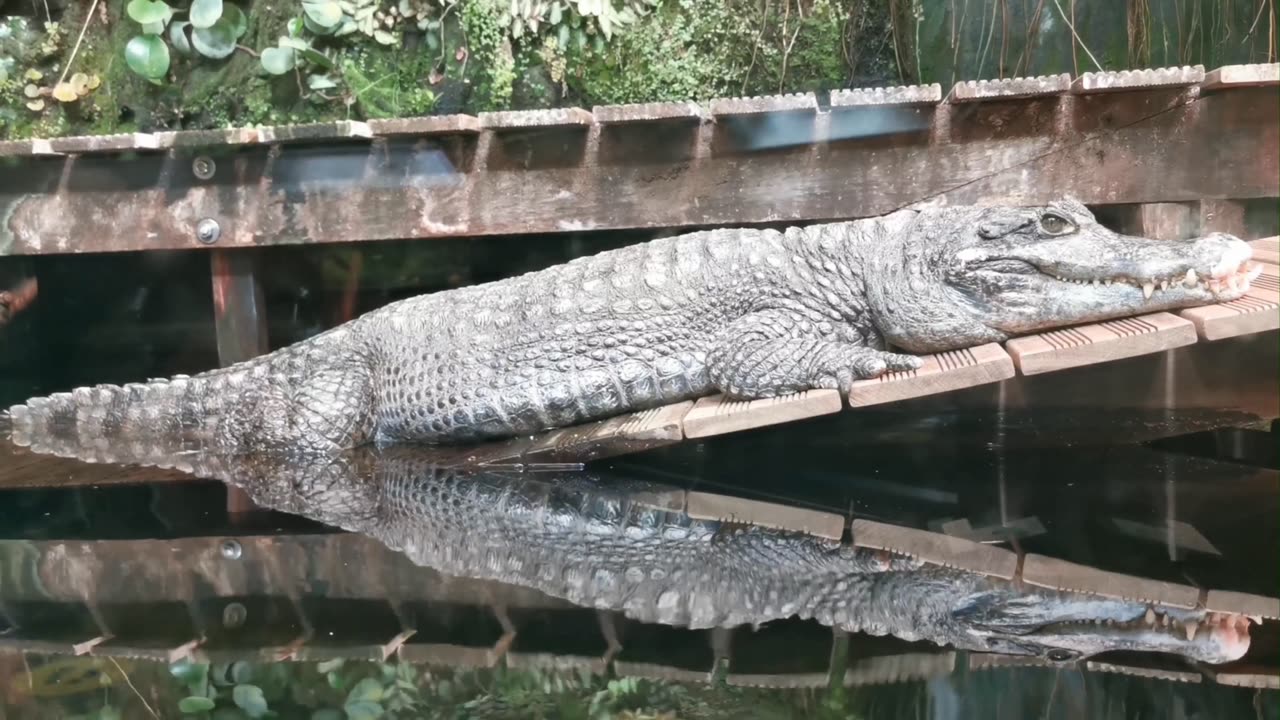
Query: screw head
(208, 231)
(203, 167)
(231, 550)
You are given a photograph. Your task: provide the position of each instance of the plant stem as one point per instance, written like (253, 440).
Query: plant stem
(83, 28)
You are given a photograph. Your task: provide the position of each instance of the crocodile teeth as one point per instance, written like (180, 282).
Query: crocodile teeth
(1257, 619)
(1190, 280)
(1148, 289)
(1192, 627)
(1151, 616)
(1164, 285)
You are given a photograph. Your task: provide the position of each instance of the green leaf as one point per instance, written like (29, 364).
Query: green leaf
(144, 12)
(327, 714)
(154, 28)
(562, 37)
(367, 690)
(216, 41)
(178, 38)
(384, 37)
(321, 82)
(237, 19)
(278, 61)
(250, 699)
(204, 13)
(192, 705)
(363, 710)
(242, 673)
(190, 673)
(554, 17)
(325, 13)
(312, 55)
(319, 29)
(148, 56)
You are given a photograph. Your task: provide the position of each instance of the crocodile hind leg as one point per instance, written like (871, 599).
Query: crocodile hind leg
(760, 357)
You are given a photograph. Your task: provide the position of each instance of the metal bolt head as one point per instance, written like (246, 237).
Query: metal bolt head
(231, 550)
(203, 167)
(208, 231)
(234, 615)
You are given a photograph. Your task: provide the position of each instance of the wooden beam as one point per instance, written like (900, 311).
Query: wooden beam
(1116, 147)
(1099, 343)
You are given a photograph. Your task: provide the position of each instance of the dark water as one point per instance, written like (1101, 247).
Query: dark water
(126, 590)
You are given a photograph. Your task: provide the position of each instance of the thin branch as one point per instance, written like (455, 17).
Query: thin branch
(145, 704)
(248, 50)
(1076, 35)
(88, 17)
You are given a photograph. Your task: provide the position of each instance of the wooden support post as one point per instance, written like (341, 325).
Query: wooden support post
(239, 318)
(1225, 216)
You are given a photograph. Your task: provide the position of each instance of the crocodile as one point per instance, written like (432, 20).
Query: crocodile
(615, 543)
(750, 313)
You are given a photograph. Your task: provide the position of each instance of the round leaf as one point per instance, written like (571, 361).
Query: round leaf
(153, 28)
(181, 43)
(149, 11)
(278, 61)
(189, 672)
(312, 55)
(363, 710)
(36, 105)
(236, 17)
(325, 13)
(204, 13)
(249, 698)
(216, 41)
(64, 92)
(148, 56)
(192, 705)
(367, 689)
(31, 91)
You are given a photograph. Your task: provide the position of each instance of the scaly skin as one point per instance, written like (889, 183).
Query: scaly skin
(750, 313)
(595, 542)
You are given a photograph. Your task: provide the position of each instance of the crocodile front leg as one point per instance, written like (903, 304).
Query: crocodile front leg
(770, 354)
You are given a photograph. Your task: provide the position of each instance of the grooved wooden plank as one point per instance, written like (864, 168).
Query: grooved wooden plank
(1266, 250)
(1098, 82)
(1242, 604)
(1010, 88)
(629, 433)
(15, 148)
(777, 680)
(208, 138)
(1265, 678)
(716, 416)
(897, 95)
(653, 671)
(986, 661)
(709, 506)
(1146, 672)
(646, 112)
(1099, 343)
(742, 106)
(104, 143)
(315, 131)
(426, 125)
(936, 548)
(943, 372)
(520, 119)
(1234, 76)
(1062, 575)
(884, 669)
(1257, 311)
(552, 661)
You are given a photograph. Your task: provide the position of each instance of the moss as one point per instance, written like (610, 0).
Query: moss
(491, 59)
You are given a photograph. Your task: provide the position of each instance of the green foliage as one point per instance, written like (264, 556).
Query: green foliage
(211, 30)
(490, 49)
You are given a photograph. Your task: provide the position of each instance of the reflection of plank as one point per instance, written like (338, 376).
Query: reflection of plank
(1144, 672)
(717, 416)
(1261, 677)
(1019, 528)
(1185, 535)
(707, 506)
(1257, 311)
(899, 668)
(1266, 250)
(941, 373)
(1099, 343)
(1242, 603)
(451, 656)
(1062, 575)
(935, 548)
(652, 671)
(629, 433)
(778, 680)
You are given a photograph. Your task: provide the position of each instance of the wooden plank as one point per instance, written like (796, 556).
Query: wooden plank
(1230, 148)
(1242, 604)
(1241, 76)
(1266, 250)
(1100, 343)
(653, 671)
(428, 125)
(315, 132)
(1264, 678)
(897, 95)
(1144, 672)
(885, 669)
(777, 680)
(1257, 311)
(943, 372)
(1011, 88)
(633, 432)
(1170, 77)
(763, 105)
(524, 119)
(123, 142)
(725, 508)
(1058, 574)
(936, 548)
(717, 416)
(647, 112)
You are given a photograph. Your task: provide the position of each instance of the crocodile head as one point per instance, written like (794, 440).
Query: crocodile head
(983, 274)
(1061, 626)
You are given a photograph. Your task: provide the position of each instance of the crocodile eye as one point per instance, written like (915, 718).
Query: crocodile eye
(1056, 224)
(1060, 655)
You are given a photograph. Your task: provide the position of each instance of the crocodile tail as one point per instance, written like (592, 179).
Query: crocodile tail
(136, 422)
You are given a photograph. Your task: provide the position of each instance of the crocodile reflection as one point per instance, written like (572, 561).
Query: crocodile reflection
(612, 544)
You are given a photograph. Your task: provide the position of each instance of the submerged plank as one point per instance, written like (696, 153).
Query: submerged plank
(1058, 574)
(943, 372)
(936, 548)
(1100, 343)
(717, 416)
(710, 506)
(885, 669)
